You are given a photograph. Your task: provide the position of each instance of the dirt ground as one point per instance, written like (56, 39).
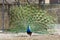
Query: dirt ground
(25, 37)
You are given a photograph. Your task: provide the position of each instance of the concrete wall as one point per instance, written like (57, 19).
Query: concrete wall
(47, 1)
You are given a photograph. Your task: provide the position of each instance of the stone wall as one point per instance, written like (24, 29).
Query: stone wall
(6, 19)
(54, 10)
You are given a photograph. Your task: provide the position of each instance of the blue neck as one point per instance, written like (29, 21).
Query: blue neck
(28, 29)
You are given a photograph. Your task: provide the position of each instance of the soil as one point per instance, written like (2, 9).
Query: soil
(24, 36)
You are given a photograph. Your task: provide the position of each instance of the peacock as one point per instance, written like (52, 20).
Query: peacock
(29, 32)
(32, 16)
